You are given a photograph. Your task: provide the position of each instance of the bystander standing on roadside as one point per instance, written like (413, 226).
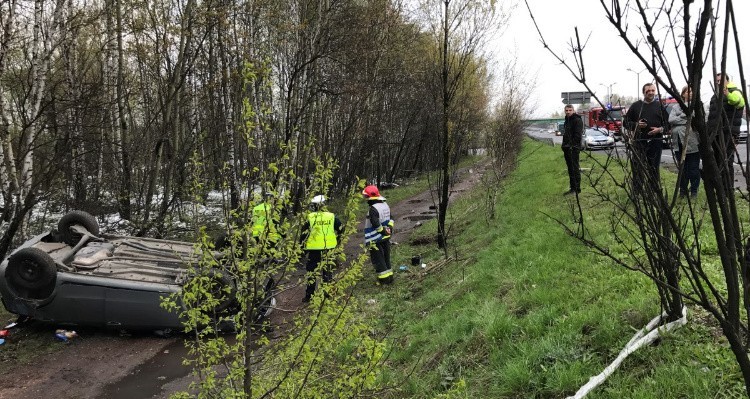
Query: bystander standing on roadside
(685, 146)
(725, 117)
(571, 146)
(647, 121)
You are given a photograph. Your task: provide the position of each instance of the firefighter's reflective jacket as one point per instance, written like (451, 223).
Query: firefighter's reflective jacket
(378, 226)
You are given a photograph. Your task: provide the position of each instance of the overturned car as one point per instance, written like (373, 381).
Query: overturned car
(76, 276)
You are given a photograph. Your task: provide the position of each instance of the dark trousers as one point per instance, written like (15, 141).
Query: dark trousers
(691, 173)
(645, 159)
(313, 260)
(731, 149)
(380, 255)
(572, 156)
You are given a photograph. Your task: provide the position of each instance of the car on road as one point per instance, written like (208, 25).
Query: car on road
(560, 129)
(743, 131)
(76, 276)
(596, 139)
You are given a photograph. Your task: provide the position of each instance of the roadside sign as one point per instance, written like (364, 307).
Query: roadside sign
(575, 97)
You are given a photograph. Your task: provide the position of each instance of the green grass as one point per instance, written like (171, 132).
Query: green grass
(528, 312)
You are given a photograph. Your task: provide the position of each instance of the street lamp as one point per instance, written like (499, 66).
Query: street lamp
(609, 90)
(638, 79)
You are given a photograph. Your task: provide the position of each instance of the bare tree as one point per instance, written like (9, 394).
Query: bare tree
(656, 234)
(22, 128)
(461, 27)
(503, 142)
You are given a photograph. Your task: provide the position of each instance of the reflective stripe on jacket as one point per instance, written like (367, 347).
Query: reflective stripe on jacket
(374, 233)
(322, 231)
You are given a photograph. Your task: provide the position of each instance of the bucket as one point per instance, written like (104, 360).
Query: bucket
(416, 260)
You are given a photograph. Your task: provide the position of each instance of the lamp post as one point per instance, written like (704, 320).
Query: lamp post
(609, 90)
(638, 80)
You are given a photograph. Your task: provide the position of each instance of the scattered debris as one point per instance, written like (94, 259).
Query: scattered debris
(371, 301)
(4, 333)
(416, 260)
(2, 341)
(403, 268)
(165, 333)
(65, 335)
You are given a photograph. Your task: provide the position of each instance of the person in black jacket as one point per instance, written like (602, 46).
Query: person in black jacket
(571, 146)
(647, 120)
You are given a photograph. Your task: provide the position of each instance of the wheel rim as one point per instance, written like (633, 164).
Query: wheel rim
(29, 271)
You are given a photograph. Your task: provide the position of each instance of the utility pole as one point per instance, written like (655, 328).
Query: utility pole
(638, 80)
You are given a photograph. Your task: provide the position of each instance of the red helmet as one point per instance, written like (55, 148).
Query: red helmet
(371, 192)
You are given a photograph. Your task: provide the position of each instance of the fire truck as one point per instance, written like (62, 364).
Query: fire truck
(607, 118)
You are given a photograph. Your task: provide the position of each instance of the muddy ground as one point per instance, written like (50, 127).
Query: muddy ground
(111, 364)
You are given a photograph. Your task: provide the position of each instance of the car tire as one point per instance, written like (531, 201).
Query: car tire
(31, 269)
(222, 241)
(76, 218)
(220, 281)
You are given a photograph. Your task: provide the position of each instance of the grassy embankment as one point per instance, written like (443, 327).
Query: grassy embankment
(528, 312)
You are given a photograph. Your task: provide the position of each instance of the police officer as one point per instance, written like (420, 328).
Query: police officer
(264, 223)
(378, 231)
(320, 237)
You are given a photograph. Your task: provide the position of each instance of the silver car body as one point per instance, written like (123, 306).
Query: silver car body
(597, 138)
(112, 281)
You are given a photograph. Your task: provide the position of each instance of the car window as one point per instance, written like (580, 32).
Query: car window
(595, 133)
(611, 115)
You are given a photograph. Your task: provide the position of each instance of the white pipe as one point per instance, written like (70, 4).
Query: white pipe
(643, 337)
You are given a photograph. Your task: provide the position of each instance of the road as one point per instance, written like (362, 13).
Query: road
(667, 160)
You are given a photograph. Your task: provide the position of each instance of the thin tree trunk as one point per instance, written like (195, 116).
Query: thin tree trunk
(121, 132)
(446, 147)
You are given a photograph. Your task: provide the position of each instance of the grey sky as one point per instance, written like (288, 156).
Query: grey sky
(606, 57)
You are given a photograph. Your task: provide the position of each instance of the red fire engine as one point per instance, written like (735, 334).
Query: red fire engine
(607, 118)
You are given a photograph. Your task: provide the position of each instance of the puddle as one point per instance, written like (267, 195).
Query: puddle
(419, 217)
(146, 380)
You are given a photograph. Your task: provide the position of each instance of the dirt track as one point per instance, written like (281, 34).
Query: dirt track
(101, 364)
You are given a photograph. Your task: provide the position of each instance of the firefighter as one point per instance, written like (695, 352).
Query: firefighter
(320, 236)
(378, 231)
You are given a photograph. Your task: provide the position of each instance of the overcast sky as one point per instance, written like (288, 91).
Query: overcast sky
(606, 57)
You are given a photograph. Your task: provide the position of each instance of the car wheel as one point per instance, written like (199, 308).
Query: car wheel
(31, 268)
(221, 241)
(219, 284)
(76, 218)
